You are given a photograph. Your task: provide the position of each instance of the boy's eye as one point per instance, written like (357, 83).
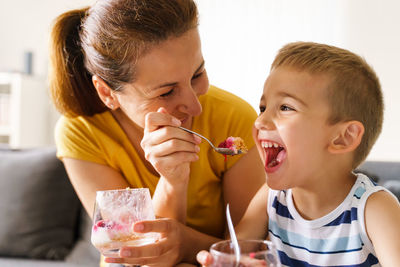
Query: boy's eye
(286, 108)
(167, 93)
(262, 109)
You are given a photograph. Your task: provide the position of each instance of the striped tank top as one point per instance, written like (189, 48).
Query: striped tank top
(337, 239)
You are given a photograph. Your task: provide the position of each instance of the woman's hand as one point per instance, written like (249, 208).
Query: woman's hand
(169, 149)
(178, 243)
(167, 251)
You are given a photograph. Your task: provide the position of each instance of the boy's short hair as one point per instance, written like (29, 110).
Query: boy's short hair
(354, 93)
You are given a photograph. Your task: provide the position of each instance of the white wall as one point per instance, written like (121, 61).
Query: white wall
(373, 30)
(240, 39)
(25, 26)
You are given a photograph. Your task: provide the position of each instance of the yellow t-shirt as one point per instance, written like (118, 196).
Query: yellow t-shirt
(100, 139)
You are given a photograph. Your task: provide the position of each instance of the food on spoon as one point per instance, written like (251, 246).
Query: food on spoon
(235, 144)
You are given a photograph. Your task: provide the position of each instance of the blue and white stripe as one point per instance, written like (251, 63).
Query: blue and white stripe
(337, 239)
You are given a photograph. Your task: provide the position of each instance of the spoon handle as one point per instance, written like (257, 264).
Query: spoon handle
(199, 135)
(232, 233)
(222, 150)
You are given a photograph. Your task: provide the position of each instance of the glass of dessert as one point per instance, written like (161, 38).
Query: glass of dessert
(115, 213)
(255, 253)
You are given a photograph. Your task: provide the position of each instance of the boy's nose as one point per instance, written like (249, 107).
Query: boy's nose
(264, 122)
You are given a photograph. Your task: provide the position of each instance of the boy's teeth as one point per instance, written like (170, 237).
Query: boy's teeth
(269, 144)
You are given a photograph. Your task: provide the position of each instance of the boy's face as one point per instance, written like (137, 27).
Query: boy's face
(291, 132)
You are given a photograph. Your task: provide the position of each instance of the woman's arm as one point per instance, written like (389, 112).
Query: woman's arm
(241, 182)
(88, 177)
(382, 222)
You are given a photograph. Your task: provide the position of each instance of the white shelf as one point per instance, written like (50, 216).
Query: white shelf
(5, 130)
(24, 107)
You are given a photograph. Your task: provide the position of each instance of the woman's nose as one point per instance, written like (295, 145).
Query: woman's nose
(190, 103)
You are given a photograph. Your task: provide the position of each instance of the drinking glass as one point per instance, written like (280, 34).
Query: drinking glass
(115, 213)
(255, 253)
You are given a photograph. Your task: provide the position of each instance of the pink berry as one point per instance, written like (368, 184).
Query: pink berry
(222, 144)
(101, 223)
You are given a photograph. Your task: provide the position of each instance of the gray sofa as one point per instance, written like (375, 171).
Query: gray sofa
(43, 223)
(385, 173)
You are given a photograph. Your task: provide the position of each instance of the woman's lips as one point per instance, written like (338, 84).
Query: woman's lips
(186, 122)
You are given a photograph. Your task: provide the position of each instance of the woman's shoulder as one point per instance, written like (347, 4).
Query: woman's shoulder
(219, 101)
(224, 98)
(83, 128)
(225, 114)
(86, 137)
(83, 123)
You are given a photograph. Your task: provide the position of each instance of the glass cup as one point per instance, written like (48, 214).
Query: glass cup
(115, 213)
(254, 253)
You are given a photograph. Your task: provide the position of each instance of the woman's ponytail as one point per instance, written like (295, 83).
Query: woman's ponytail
(71, 84)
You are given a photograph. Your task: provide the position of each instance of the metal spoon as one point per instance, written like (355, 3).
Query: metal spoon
(236, 248)
(222, 150)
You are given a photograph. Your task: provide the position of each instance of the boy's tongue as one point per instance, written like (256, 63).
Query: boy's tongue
(274, 155)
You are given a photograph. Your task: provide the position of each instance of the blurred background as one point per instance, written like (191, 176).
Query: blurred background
(239, 37)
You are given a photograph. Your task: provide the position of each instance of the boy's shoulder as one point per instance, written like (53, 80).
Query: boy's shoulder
(382, 224)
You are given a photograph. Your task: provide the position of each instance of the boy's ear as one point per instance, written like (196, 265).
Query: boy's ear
(348, 137)
(105, 93)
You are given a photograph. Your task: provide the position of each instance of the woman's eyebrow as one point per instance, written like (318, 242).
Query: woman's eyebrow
(175, 83)
(165, 85)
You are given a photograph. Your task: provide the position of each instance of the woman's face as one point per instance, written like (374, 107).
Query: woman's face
(170, 75)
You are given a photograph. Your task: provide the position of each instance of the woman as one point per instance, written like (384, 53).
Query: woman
(124, 75)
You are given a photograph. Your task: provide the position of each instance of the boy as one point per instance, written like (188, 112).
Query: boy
(320, 113)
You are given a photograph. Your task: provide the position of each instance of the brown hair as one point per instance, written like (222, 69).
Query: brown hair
(106, 40)
(354, 93)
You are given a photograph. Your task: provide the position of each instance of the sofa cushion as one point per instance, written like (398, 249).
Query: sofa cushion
(38, 207)
(385, 173)
(393, 186)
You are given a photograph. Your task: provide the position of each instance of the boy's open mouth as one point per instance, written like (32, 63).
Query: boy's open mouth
(274, 154)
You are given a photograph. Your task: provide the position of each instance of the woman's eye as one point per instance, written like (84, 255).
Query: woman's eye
(197, 75)
(167, 93)
(262, 109)
(286, 108)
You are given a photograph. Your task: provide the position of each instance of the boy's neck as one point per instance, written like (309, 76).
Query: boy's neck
(322, 196)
